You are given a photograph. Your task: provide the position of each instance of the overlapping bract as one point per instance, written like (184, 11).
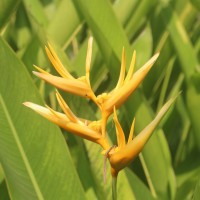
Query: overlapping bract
(90, 130)
(95, 131)
(121, 156)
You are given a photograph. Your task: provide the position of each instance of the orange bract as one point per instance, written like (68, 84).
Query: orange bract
(95, 131)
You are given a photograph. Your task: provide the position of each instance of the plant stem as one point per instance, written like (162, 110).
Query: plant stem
(114, 187)
(146, 172)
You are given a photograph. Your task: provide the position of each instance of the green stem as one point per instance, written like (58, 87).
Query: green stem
(146, 172)
(114, 187)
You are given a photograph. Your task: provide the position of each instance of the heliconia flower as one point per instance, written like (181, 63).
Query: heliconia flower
(125, 86)
(123, 154)
(90, 130)
(80, 86)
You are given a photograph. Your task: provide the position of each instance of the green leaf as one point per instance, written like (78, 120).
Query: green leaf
(35, 12)
(187, 177)
(196, 194)
(64, 33)
(192, 101)
(7, 9)
(138, 18)
(80, 158)
(3, 189)
(196, 4)
(181, 42)
(139, 188)
(33, 154)
(124, 9)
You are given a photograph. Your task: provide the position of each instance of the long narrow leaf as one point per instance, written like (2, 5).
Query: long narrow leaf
(33, 153)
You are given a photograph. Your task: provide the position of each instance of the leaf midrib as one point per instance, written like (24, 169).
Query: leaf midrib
(21, 150)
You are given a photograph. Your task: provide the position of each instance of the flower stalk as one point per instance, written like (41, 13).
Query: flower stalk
(114, 187)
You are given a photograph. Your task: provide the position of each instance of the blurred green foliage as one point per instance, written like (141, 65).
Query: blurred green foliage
(35, 160)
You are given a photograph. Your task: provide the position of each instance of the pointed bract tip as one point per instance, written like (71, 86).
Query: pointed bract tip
(156, 55)
(172, 99)
(40, 70)
(152, 60)
(27, 104)
(36, 73)
(48, 44)
(36, 67)
(134, 54)
(56, 91)
(30, 105)
(123, 51)
(90, 39)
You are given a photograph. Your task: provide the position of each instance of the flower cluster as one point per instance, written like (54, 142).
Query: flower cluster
(123, 153)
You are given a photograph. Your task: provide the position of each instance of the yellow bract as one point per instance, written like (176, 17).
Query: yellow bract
(83, 128)
(120, 157)
(78, 86)
(95, 131)
(81, 86)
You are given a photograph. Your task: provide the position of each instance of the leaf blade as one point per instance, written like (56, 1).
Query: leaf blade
(42, 141)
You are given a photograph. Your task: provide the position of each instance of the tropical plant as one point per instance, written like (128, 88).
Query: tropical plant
(38, 160)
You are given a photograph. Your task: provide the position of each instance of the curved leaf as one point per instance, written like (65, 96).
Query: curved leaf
(33, 153)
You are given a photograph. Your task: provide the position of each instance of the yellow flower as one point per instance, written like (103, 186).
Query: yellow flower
(126, 85)
(124, 88)
(123, 154)
(80, 86)
(90, 130)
